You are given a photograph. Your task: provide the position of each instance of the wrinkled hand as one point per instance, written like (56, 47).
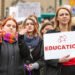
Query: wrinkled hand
(64, 59)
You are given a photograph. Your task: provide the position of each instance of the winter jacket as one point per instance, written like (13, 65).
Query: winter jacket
(51, 67)
(11, 61)
(36, 56)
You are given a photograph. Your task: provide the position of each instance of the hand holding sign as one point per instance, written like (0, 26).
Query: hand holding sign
(64, 59)
(59, 46)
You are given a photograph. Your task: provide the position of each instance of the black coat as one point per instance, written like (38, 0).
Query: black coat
(35, 54)
(51, 67)
(11, 62)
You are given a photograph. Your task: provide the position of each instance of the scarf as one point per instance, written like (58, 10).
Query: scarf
(0, 37)
(31, 42)
(8, 37)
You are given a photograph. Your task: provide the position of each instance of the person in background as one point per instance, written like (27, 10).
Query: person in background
(11, 44)
(33, 43)
(43, 21)
(73, 24)
(53, 22)
(46, 27)
(50, 9)
(73, 28)
(20, 27)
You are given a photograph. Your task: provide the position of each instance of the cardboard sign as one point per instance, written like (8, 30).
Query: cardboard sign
(58, 45)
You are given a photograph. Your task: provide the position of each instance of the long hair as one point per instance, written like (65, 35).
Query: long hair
(35, 27)
(34, 17)
(57, 22)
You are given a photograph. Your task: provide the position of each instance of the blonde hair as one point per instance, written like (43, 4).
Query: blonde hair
(57, 22)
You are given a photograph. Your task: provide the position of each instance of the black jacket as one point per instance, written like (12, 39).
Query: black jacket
(35, 54)
(11, 62)
(52, 67)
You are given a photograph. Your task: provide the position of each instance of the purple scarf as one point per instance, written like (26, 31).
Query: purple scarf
(10, 38)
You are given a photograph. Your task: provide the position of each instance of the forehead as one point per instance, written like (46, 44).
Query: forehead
(29, 21)
(63, 11)
(48, 26)
(10, 22)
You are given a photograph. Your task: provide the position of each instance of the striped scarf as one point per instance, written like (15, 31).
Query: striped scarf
(8, 37)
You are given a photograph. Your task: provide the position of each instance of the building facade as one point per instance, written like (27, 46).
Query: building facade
(46, 5)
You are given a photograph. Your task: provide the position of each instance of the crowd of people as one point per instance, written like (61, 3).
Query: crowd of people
(22, 48)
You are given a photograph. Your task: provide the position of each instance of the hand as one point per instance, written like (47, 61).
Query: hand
(26, 66)
(64, 59)
(23, 31)
(30, 67)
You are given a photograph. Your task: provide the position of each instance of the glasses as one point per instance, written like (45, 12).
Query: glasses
(29, 23)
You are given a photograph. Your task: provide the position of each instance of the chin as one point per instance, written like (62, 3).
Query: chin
(12, 32)
(30, 31)
(65, 23)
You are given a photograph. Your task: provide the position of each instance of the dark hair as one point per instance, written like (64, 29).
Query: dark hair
(73, 28)
(52, 31)
(44, 25)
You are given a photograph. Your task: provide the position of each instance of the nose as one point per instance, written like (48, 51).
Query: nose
(29, 24)
(11, 27)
